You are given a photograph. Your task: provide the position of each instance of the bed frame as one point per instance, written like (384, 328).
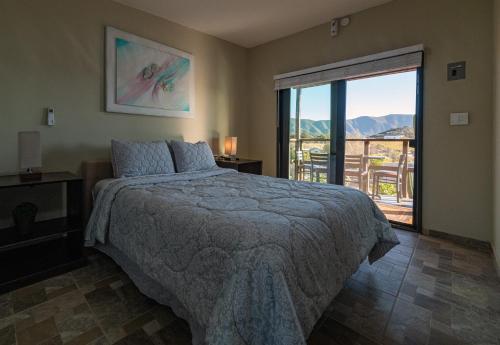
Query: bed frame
(93, 172)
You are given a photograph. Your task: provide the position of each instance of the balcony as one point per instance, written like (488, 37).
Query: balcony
(380, 167)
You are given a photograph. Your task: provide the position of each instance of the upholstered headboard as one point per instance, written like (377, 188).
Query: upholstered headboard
(93, 172)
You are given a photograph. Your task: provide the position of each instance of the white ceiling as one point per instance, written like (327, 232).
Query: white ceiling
(249, 23)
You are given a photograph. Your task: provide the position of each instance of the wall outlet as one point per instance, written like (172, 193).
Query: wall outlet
(51, 117)
(459, 119)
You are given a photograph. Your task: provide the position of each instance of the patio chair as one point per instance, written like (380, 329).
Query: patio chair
(356, 171)
(302, 166)
(319, 164)
(394, 177)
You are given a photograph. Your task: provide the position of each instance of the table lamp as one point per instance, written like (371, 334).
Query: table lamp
(230, 146)
(30, 155)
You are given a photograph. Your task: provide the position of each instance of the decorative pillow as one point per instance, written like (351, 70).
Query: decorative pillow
(141, 158)
(192, 157)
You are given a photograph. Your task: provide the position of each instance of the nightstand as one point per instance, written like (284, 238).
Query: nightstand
(51, 247)
(242, 165)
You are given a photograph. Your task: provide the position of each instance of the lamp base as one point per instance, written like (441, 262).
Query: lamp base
(28, 177)
(230, 158)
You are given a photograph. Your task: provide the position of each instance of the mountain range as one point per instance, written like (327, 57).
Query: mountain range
(360, 127)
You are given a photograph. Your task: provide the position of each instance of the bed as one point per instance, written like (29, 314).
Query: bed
(245, 259)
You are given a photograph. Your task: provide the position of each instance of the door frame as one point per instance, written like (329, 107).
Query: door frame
(419, 145)
(283, 133)
(337, 142)
(337, 131)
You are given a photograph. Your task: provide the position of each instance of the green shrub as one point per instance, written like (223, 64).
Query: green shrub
(387, 189)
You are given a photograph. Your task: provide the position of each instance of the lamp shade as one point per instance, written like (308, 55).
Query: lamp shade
(230, 146)
(30, 152)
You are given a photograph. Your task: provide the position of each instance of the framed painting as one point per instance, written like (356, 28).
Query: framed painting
(146, 77)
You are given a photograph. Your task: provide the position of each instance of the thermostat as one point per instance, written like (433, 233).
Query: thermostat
(456, 71)
(51, 117)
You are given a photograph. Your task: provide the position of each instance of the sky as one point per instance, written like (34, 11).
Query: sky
(376, 96)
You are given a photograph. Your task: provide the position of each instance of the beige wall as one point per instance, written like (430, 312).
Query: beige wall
(496, 128)
(457, 160)
(52, 54)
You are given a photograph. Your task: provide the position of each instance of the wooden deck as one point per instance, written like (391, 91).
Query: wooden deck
(396, 213)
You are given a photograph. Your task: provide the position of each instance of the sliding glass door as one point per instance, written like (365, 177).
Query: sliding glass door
(380, 141)
(310, 133)
(363, 133)
(310, 136)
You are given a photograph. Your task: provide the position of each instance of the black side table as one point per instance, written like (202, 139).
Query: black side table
(242, 165)
(51, 247)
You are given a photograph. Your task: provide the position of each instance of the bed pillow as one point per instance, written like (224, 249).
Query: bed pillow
(192, 157)
(141, 158)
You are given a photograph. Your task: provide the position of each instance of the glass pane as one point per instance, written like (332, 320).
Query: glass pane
(309, 133)
(380, 125)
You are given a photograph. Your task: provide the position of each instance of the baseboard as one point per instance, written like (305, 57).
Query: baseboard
(482, 246)
(496, 258)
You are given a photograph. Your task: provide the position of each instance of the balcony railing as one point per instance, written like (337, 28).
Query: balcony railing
(384, 158)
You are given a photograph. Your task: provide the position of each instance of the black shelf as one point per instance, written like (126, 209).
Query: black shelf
(9, 181)
(30, 264)
(43, 231)
(52, 247)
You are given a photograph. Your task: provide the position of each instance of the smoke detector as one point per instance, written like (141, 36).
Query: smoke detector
(345, 21)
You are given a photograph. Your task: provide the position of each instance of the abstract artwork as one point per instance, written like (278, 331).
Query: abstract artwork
(148, 78)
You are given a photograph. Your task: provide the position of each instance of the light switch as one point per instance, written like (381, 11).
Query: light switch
(459, 119)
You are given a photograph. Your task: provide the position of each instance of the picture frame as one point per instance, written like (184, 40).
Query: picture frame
(144, 77)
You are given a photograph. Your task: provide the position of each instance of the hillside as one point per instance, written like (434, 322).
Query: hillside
(360, 127)
(403, 132)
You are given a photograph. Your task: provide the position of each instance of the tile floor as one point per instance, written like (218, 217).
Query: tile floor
(425, 291)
